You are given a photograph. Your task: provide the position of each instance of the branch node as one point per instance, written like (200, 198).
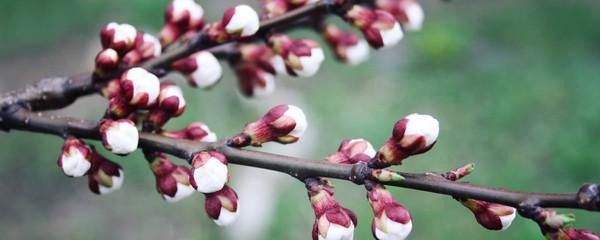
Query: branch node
(359, 173)
(588, 197)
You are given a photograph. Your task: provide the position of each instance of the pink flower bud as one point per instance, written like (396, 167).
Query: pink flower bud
(253, 81)
(172, 181)
(118, 107)
(332, 220)
(379, 27)
(391, 219)
(202, 69)
(414, 134)
(283, 123)
(104, 176)
(145, 47)
(347, 46)
(107, 61)
(170, 98)
(119, 37)
(140, 87)
(222, 206)
(353, 151)
(302, 57)
(274, 8)
(408, 12)
(120, 136)
(240, 21)
(111, 88)
(182, 16)
(492, 216)
(196, 131)
(263, 57)
(209, 172)
(75, 158)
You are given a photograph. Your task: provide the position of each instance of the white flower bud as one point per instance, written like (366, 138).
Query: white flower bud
(75, 158)
(310, 64)
(242, 20)
(209, 172)
(140, 87)
(392, 36)
(415, 15)
(422, 125)
(358, 53)
(120, 137)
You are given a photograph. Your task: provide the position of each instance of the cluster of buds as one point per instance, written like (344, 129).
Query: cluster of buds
(183, 18)
(196, 131)
(202, 69)
(491, 216)
(209, 172)
(254, 81)
(347, 46)
(333, 222)
(237, 22)
(408, 12)
(554, 226)
(172, 181)
(104, 176)
(302, 57)
(414, 134)
(222, 206)
(123, 45)
(391, 219)
(352, 151)
(75, 159)
(379, 27)
(283, 124)
(119, 136)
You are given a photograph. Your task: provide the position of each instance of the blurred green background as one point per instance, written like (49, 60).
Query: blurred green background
(514, 84)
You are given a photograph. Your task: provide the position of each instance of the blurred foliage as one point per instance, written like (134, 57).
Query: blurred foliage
(514, 84)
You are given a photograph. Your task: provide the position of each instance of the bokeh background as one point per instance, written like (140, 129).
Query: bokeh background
(515, 85)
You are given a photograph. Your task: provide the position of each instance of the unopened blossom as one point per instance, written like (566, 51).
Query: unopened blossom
(274, 8)
(352, 151)
(118, 107)
(209, 172)
(347, 46)
(196, 131)
(172, 181)
(111, 88)
(170, 98)
(202, 69)
(492, 216)
(75, 158)
(263, 57)
(408, 12)
(106, 61)
(391, 221)
(182, 17)
(240, 21)
(254, 81)
(120, 136)
(222, 206)
(333, 222)
(140, 87)
(145, 47)
(104, 176)
(414, 134)
(379, 27)
(283, 124)
(119, 37)
(302, 57)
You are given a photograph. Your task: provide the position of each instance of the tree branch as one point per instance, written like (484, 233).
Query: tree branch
(22, 119)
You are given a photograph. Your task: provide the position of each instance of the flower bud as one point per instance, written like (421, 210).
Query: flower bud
(118, 107)
(119, 37)
(353, 151)
(348, 47)
(274, 8)
(209, 172)
(172, 181)
(170, 98)
(263, 57)
(408, 12)
(459, 173)
(140, 87)
(181, 16)
(492, 216)
(196, 131)
(145, 47)
(107, 61)
(120, 136)
(379, 27)
(202, 69)
(75, 158)
(104, 176)
(240, 21)
(414, 134)
(301, 57)
(332, 220)
(111, 88)
(222, 206)
(253, 81)
(283, 124)
(391, 219)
